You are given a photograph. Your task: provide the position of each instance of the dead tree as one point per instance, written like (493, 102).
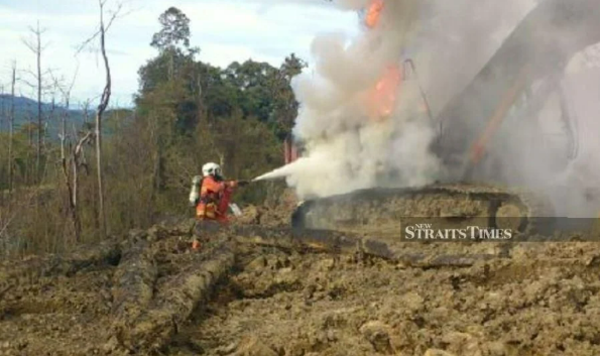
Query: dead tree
(11, 124)
(3, 117)
(35, 45)
(66, 94)
(76, 160)
(104, 101)
(2, 108)
(71, 163)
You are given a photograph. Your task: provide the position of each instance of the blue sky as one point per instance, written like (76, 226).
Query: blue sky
(225, 31)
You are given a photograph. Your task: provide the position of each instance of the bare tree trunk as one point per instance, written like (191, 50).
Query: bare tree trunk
(63, 160)
(38, 54)
(35, 46)
(101, 108)
(86, 112)
(3, 117)
(73, 160)
(104, 101)
(28, 165)
(11, 123)
(72, 188)
(2, 107)
(39, 104)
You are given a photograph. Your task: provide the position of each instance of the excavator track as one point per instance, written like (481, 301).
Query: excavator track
(468, 123)
(384, 213)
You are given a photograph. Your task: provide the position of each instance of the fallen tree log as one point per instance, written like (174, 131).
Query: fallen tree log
(298, 239)
(346, 243)
(444, 260)
(133, 285)
(155, 328)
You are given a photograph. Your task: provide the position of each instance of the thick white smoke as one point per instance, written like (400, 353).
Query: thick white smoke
(346, 147)
(449, 41)
(348, 150)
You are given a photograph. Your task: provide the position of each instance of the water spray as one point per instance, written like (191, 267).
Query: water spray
(282, 172)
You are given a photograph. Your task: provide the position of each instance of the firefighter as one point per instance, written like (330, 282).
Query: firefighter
(214, 196)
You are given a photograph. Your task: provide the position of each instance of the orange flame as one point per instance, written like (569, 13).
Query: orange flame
(384, 95)
(374, 13)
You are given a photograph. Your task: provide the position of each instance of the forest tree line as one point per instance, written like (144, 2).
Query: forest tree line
(83, 185)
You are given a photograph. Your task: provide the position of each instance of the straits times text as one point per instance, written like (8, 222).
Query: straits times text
(429, 232)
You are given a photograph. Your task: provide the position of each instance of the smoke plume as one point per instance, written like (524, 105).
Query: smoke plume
(348, 149)
(349, 143)
(352, 141)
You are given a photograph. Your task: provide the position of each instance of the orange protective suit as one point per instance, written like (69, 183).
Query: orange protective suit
(214, 199)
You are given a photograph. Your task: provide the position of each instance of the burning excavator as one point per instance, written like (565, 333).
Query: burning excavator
(511, 89)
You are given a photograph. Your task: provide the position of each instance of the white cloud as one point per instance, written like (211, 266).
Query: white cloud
(225, 31)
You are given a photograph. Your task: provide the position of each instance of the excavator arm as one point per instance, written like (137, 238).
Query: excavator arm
(539, 47)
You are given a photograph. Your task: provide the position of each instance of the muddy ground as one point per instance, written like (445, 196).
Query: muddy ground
(148, 294)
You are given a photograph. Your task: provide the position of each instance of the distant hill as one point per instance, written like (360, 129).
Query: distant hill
(26, 111)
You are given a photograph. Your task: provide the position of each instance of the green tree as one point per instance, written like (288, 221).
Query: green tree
(173, 44)
(218, 94)
(254, 81)
(175, 30)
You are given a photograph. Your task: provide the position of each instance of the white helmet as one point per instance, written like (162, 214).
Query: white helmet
(211, 169)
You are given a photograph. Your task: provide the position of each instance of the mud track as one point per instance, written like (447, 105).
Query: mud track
(257, 290)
